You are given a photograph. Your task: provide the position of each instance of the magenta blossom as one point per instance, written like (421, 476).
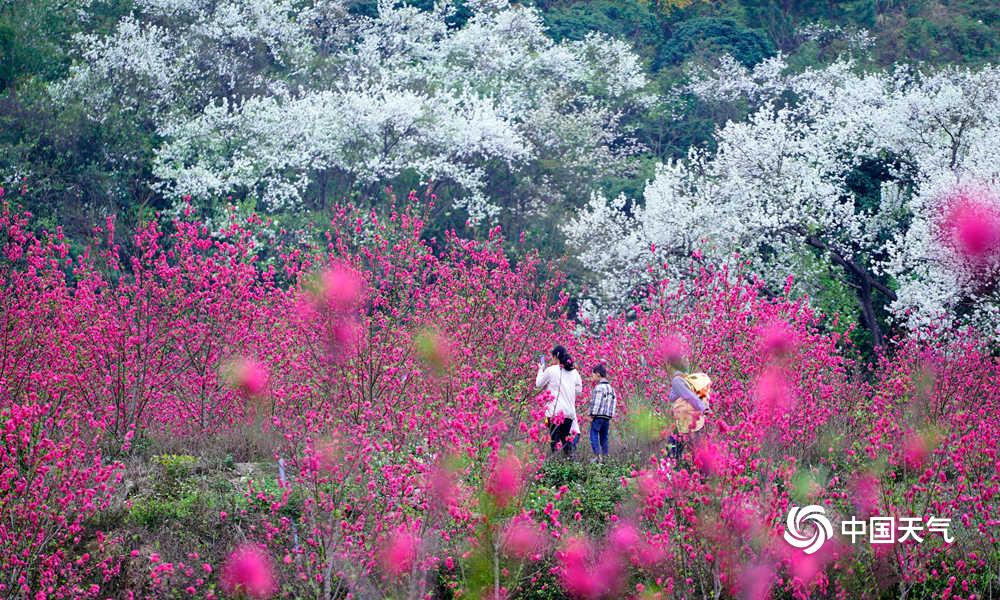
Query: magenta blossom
(970, 227)
(341, 288)
(865, 491)
(587, 576)
(710, 457)
(248, 571)
(506, 480)
(400, 553)
(250, 376)
(776, 339)
(773, 394)
(523, 539)
(915, 450)
(670, 350)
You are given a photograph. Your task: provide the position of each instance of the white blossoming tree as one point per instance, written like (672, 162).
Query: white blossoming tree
(836, 177)
(304, 101)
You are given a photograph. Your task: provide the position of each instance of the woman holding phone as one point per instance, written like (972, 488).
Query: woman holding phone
(562, 380)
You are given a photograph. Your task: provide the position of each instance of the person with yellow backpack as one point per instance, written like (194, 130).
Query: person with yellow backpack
(689, 395)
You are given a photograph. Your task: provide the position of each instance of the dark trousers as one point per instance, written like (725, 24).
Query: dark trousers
(599, 434)
(559, 433)
(675, 446)
(677, 442)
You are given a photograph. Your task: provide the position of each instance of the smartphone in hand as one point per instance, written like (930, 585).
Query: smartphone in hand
(541, 360)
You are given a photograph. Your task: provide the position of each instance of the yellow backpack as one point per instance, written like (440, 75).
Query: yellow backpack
(684, 413)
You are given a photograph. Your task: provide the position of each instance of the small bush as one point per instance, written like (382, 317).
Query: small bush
(175, 474)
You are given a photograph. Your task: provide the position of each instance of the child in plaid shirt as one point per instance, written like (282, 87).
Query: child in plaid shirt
(602, 410)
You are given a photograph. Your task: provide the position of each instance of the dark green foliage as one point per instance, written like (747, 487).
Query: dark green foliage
(78, 170)
(30, 35)
(153, 513)
(548, 586)
(629, 19)
(960, 40)
(12, 56)
(711, 37)
(594, 490)
(35, 36)
(779, 18)
(956, 31)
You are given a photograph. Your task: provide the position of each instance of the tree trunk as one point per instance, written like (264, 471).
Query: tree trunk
(496, 571)
(868, 317)
(324, 180)
(867, 285)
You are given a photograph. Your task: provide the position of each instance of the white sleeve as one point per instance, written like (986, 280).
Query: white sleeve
(578, 383)
(543, 378)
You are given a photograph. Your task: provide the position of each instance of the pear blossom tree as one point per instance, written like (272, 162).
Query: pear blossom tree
(836, 176)
(291, 102)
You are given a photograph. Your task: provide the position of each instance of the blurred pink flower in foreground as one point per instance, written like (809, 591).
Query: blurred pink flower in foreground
(586, 576)
(776, 339)
(755, 582)
(915, 450)
(434, 349)
(400, 553)
(669, 350)
(248, 571)
(710, 457)
(250, 376)
(329, 455)
(772, 393)
(865, 491)
(624, 537)
(334, 297)
(505, 482)
(970, 225)
(442, 482)
(341, 288)
(523, 539)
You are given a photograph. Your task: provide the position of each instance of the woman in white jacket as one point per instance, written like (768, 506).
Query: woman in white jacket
(562, 380)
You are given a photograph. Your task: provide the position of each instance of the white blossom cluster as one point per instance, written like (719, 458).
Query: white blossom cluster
(270, 97)
(776, 190)
(856, 39)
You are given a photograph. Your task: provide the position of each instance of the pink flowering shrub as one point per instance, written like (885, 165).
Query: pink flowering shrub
(53, 475)
(929, 445)
(437, 366)
(164, 330)
(390, 376)
(781, 390)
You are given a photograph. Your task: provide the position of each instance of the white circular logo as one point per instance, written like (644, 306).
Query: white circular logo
(822, 529)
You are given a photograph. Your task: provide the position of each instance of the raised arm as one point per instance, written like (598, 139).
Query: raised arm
(680, 388)
(542, 378)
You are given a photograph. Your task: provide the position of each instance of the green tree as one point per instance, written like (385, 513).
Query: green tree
(715, 36)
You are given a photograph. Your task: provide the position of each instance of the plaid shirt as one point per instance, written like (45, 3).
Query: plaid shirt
(602, 400)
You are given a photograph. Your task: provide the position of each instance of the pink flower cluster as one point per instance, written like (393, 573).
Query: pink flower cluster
(394, 374)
